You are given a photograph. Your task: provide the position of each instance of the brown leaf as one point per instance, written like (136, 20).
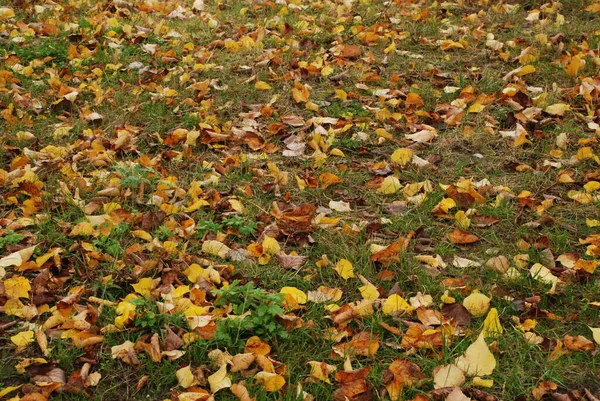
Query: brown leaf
(461, 237)
(400, 374)
(542, 389)
(291, 262)
(441, 394)
(578, 343)
(392, 252)
(458, 313)
(350, 51)
(353, 383)
(152, 220)
(172, 341)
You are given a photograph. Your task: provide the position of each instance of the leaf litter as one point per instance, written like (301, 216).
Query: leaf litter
(348, 200)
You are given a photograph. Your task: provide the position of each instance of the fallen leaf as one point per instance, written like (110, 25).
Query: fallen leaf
(219, 380)
(448, 376)
(477, 359)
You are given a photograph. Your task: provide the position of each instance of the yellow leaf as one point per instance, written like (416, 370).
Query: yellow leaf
(402, 156)
(574, 66)
(344, 269)
(17, 287)
(592, 186)
(520, 136)
(219, 380)
(491, 324)
(390, 185)
(448, 44)
(193, 272)
(237, 205)
(462, 220)
(383, 133)
(321, 371)
(142, 235)
(298, 295)
(9, 389)
(84, 228)
(125, 313)
(477, 359)
(262, 86)
(526, 69)
(557, 109)
(595, 333)
(341, 94)
(391, 48)
(54, 252)
(395, 303)
(479, 382)
(22, 339)
(448, 376)
(270, 245)
(592, 222)
(144, 287)
(584, 153)
(476, 108)
(14, 307)
(586, 265)
(446, 204)
(270, 381)
(300, 93)
(185, 377)
(326, 71)
(6, 13)
(369, 292)
(477, 304)
(216, 248)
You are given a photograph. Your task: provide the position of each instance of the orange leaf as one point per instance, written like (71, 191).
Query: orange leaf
(462, 237)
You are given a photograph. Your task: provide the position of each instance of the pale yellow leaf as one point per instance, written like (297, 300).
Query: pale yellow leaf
(448, 376)
(477, 359)
(219, 380)
(477, 304)
(216, 248)
(595, 333)
(390, 185)
(186, 377)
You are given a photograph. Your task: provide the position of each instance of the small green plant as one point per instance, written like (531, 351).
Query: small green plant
(10, 238)
(163, 233)
(207, 225)
(241, 225)
(255, 311)
(149, 317)
(111, 243)
(133, 177)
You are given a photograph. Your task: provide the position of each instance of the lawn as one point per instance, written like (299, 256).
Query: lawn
(299, 200)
